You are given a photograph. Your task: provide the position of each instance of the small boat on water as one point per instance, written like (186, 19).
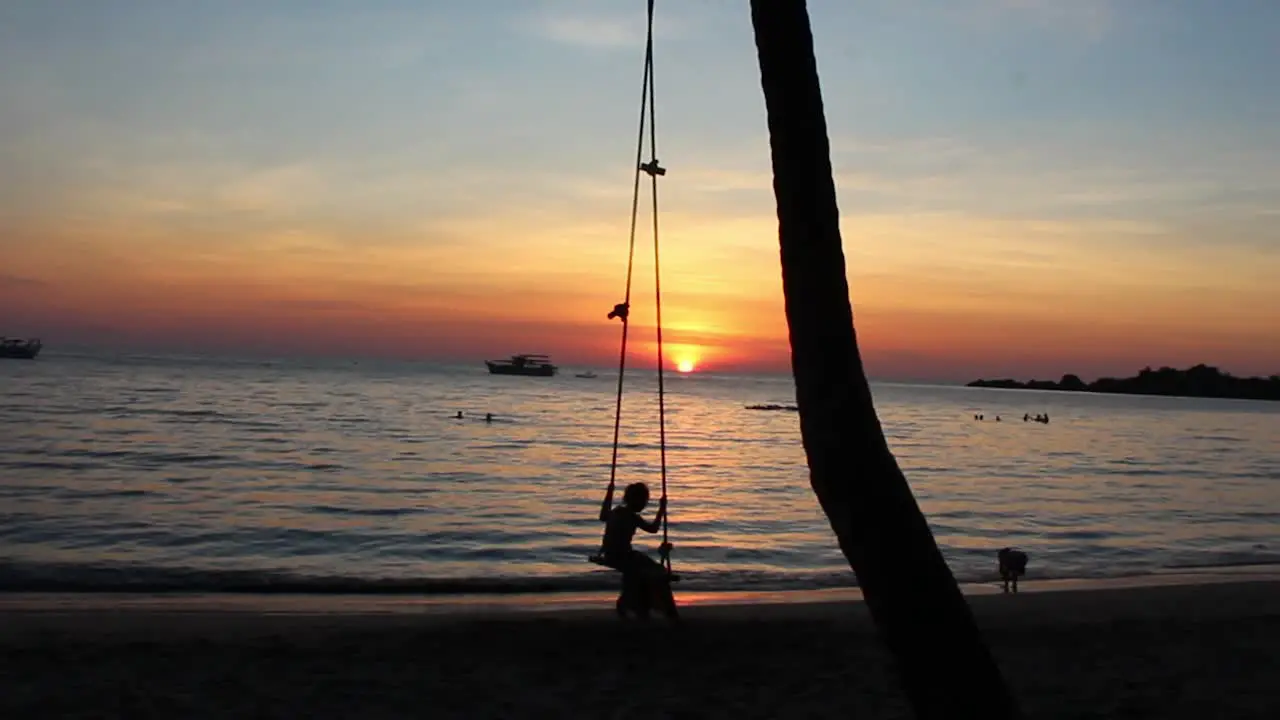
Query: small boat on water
(530, 364)
(588, 375)
(19, 348)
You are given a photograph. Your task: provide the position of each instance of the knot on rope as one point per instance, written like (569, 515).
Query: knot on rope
(664, 550)
(621, 310)
(653, 168)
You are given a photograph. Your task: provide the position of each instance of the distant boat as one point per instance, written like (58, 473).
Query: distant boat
(528, 364)
(588, 375)
(18, 348)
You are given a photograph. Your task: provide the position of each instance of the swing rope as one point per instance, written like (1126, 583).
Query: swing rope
(648, 119)
(654, 170)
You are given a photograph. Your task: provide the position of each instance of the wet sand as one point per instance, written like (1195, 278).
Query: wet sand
(1069, 650)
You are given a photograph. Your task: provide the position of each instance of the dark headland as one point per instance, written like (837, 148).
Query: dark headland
(1201, 381)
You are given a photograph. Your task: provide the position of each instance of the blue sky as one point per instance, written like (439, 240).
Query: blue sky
(968, 135)
(1178, 94)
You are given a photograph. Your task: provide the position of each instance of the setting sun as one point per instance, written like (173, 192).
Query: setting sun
(685, 365)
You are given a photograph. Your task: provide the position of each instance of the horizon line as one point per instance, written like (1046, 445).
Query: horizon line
(250, 356)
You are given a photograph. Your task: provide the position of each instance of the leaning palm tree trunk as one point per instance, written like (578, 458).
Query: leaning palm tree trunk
(944, 663)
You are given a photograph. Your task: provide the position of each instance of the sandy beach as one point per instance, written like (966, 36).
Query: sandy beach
(1163, 648)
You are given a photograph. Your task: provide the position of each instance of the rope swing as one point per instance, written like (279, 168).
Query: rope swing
(622, 310)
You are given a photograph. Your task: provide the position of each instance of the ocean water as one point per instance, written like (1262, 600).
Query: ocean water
(155, 473)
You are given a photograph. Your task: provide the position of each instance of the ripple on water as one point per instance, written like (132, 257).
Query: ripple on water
(349, 477)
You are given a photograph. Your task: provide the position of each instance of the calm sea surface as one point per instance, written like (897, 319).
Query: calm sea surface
(202, 474)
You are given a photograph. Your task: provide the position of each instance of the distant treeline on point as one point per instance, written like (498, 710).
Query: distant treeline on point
(1201, 381)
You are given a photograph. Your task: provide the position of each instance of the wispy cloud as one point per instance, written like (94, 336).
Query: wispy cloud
(271, 188)
(579, 26)
(1088, 19)
(593, 32)
(17, 281)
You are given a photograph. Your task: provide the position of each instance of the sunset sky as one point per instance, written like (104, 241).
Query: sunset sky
(1027, 187)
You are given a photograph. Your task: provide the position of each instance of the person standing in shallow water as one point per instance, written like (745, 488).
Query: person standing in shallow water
(644, 579)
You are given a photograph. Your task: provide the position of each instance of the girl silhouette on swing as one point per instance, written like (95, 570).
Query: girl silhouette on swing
(645, 582)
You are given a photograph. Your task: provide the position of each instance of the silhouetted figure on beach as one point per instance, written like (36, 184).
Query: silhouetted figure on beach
(1013, 565)
(488, 417)
(458, 416)
(644, 580)
(1027, 416)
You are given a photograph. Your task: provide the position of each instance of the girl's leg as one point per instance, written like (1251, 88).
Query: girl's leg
(635, 584)
(659, 586)
(624, 600)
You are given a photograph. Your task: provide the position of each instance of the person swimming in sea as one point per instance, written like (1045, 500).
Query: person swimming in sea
(644, 579)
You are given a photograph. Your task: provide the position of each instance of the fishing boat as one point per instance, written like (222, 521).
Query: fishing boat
(19, 348)
(530, 364)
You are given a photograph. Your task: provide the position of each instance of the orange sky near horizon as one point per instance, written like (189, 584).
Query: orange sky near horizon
(920, 311)
(277, 186)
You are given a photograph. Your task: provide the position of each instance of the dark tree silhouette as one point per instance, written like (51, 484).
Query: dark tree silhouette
(945, 666)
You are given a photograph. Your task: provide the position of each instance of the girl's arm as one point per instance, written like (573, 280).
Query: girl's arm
(652, 527)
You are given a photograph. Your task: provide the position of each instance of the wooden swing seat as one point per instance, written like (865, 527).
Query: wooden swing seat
(598, 559)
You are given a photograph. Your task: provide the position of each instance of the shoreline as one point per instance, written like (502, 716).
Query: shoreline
(44, 609)
(597, 583)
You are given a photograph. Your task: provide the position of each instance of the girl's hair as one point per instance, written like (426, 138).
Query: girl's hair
(636, 494)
